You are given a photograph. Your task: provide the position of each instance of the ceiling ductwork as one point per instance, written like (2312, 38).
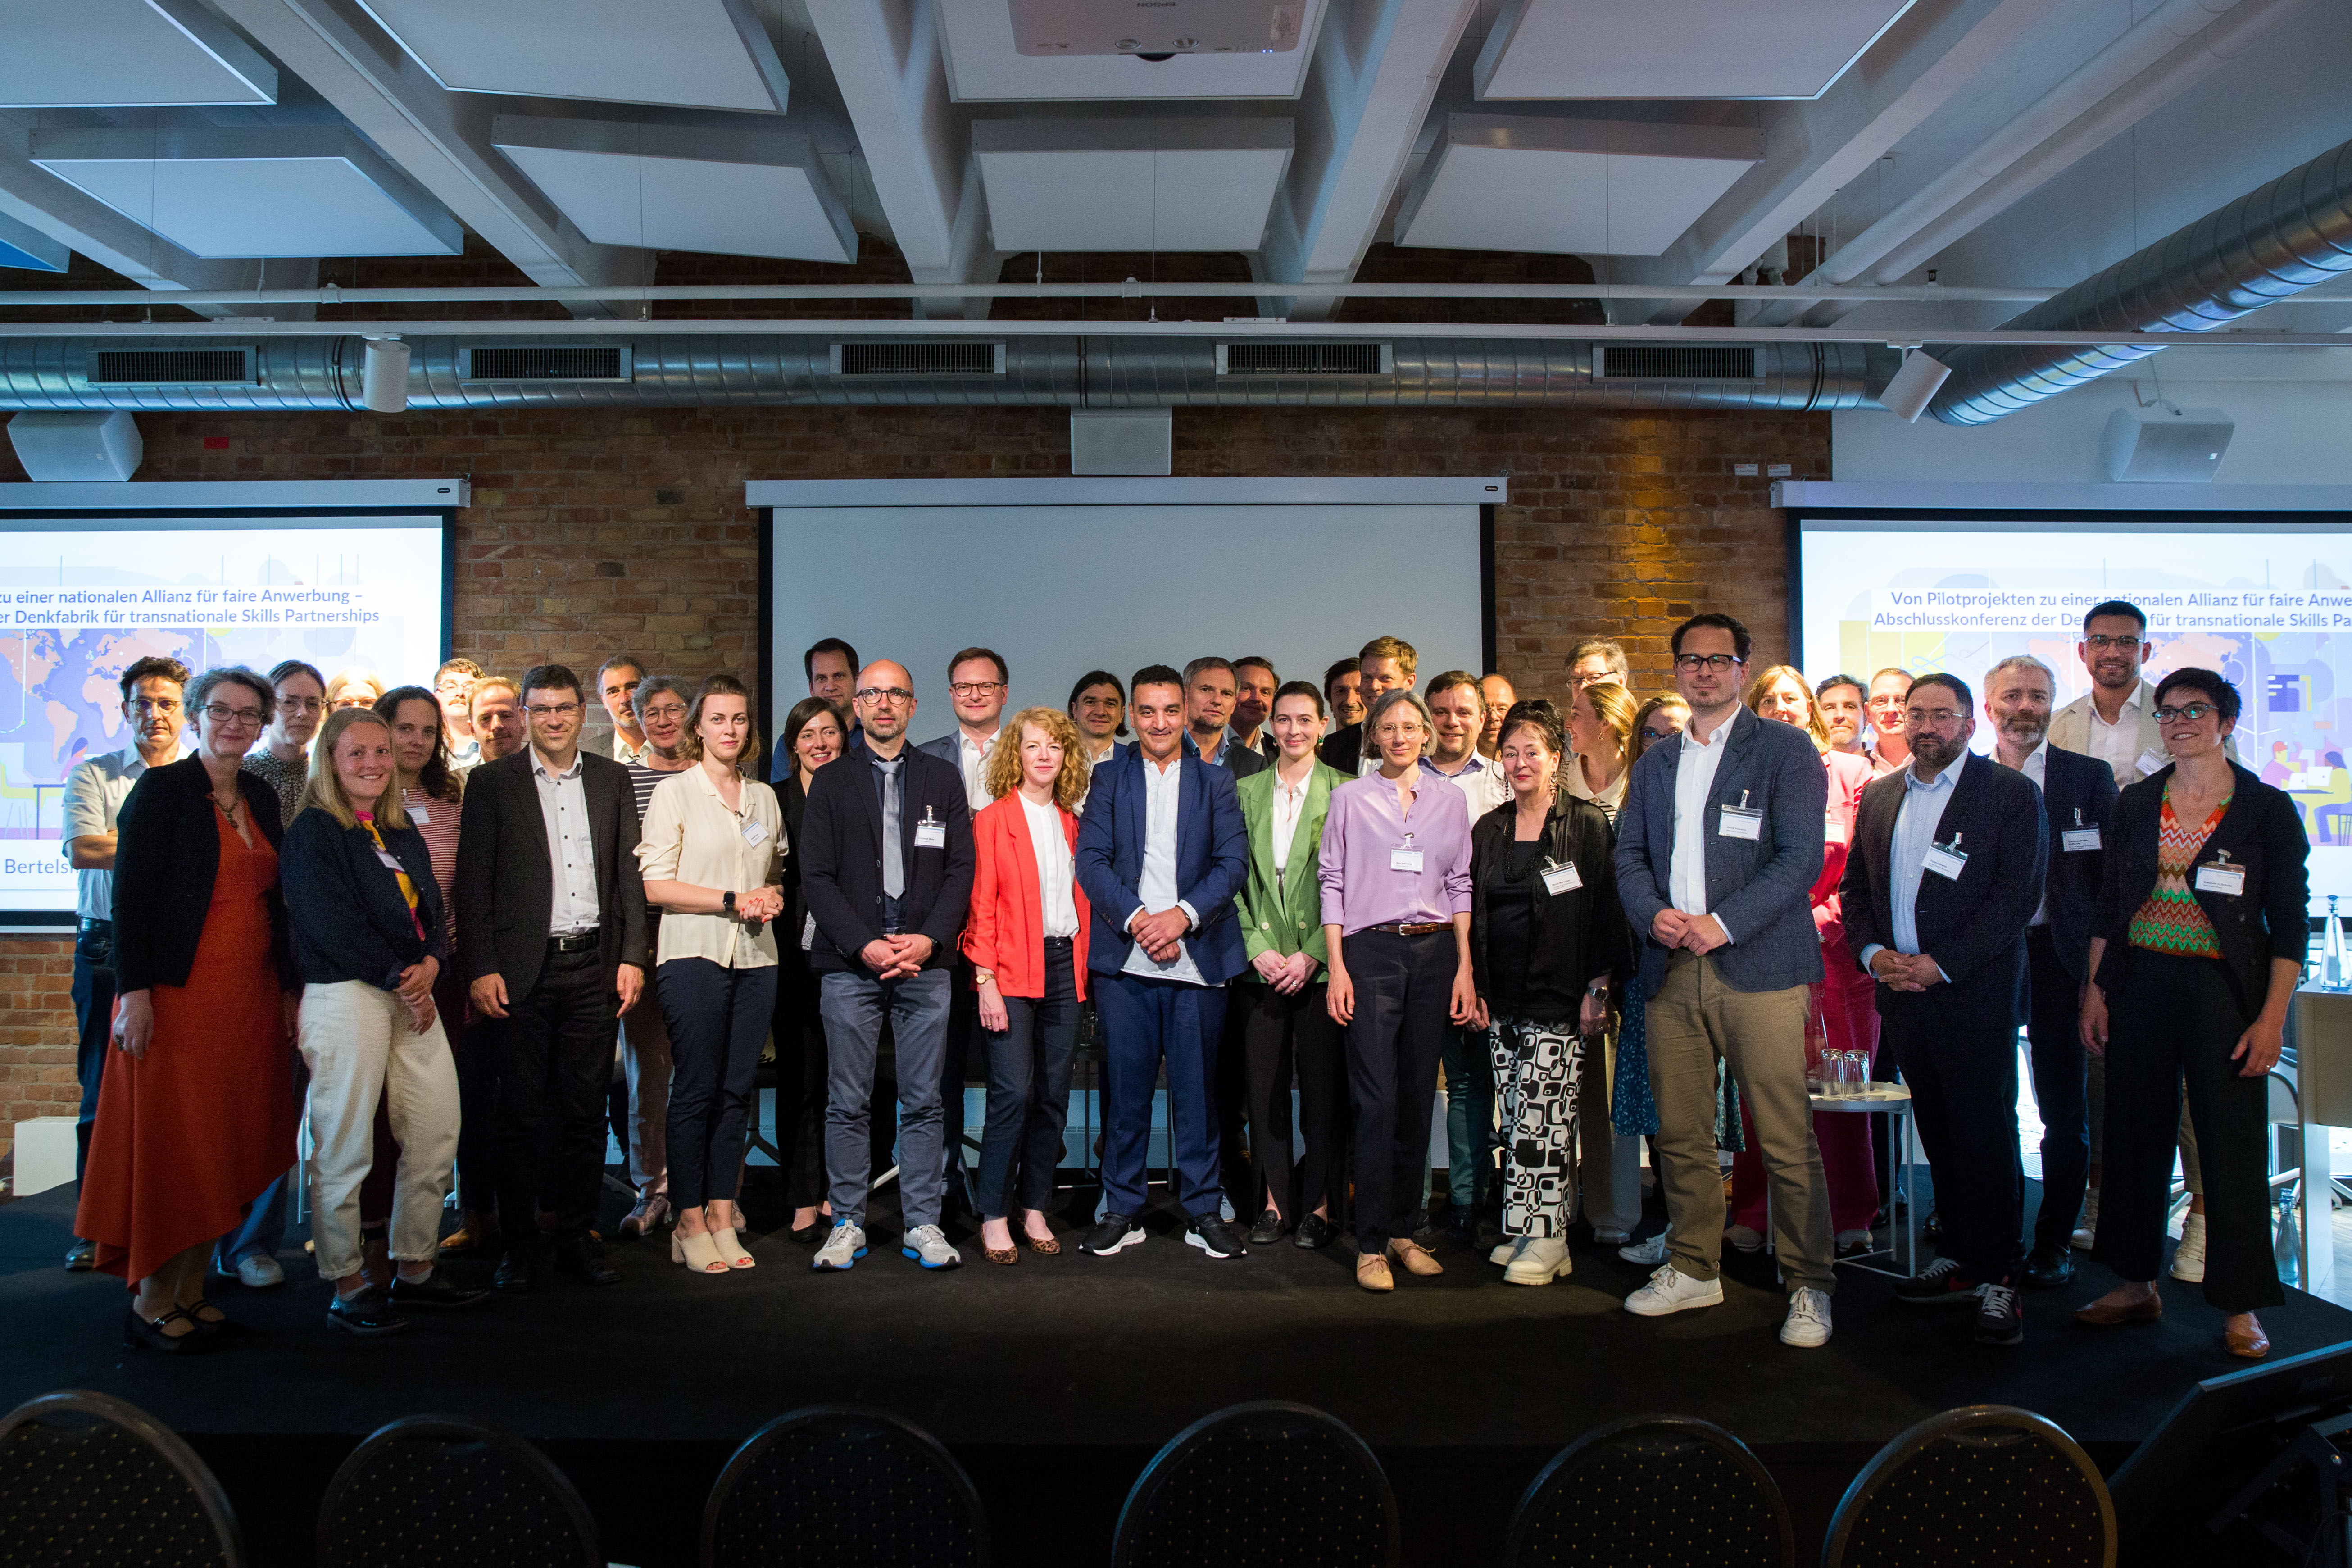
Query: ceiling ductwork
(1092, 372)
(2267, 246)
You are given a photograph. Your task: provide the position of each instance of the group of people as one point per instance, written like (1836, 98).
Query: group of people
(1631, 919)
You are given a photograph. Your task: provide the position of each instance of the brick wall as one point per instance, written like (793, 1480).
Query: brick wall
(592, 529)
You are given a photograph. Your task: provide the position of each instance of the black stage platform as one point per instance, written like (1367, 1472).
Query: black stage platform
(1054, 1381)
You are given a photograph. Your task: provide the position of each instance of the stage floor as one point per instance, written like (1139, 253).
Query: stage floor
(1057, 1377)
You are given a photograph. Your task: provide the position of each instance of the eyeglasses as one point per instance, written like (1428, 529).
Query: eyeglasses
(1936, 717)
(454, 684)
(885, 694)
(2189, 712)
(222, 713)
(1656, 735)
(667, 710)
(1716, 662)
(2100, 642)
(972, 688)
(293, 705)
(150, 707)
(552, 709)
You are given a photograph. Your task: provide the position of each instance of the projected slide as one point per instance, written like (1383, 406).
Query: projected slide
(2268, 603)
(87, 597)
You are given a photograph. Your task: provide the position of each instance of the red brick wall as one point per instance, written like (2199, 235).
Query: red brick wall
(592, 529)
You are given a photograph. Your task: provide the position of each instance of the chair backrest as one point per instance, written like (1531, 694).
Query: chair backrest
(1985, 1483)
(1660, 1490)
(433, 1489)
(844, 1484)
(1229, 1490)
(106, 1482)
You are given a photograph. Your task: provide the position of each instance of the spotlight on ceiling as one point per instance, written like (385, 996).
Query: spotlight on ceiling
(384, 375)
(1907, 395)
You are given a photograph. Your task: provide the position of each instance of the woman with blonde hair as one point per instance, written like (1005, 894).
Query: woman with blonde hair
(354, 686)
(1601, 718)
(1027, 939)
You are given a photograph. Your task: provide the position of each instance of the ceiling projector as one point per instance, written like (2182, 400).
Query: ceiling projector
(1156, 29)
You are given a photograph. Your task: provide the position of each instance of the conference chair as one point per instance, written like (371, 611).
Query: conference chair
(1226, 1492)
(432, 1489)
(1660, 1490)
(88, 1478)
(1985, 1483)
(839, 1486)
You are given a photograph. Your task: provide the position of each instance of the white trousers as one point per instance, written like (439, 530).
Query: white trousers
(361, 1048)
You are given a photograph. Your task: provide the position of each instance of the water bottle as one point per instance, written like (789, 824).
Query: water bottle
(2331, 947)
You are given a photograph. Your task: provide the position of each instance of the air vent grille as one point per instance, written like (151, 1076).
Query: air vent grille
(1348, 358)
(546, 361)
(1680, 361)
(933, 357)
(171, 367)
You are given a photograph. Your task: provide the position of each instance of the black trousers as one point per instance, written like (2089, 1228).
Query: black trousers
(1405, 994)
(718, 1020)
(93, 1001)
(555, 1053)
(964, 1035)
(1229, 1096)
(1029, 1090)
(2177, 1020)
(475, 1044)
(800, 1080)
(1282, 1035)
(1963, 1084)
(2059, 1065)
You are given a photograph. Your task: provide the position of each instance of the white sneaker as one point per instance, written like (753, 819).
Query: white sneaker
(1509, 1248)
(1746, 1239)
(1672, 1290)
(927, 1245)
(1647, 1254)
(842, 1249)
(1540, 1261)
(1808, 1325)
(2188, 1257)
(2087, 1234)
(259, 1271)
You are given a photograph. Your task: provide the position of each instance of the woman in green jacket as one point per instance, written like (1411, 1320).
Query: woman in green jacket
(1284, 1027)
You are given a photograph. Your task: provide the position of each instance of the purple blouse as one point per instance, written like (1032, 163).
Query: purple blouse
(1361, 884)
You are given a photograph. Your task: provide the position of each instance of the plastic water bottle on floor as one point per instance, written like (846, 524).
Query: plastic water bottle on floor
(2331, 962)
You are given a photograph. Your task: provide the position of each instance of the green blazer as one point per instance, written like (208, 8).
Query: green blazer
(1275, 920)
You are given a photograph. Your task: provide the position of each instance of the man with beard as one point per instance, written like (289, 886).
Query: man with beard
(2078, 795)
(1253, 687)
(1948, 865)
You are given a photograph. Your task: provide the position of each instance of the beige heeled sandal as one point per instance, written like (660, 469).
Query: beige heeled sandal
(732, 1251)
(698, 1253)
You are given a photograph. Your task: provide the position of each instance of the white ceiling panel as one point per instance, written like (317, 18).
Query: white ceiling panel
(1136, 184)
(674, 188)
(707, 54)
(989, 63)
(24, 246)
(104, 53)
(1676, 48)
(293, 191)
(1592, 187)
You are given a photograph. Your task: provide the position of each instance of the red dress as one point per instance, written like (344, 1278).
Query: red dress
(188, 1135)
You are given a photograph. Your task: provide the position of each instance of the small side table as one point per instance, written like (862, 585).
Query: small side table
(1901, 1255)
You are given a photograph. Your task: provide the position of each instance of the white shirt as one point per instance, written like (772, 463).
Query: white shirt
(1915, 833)
(1056, 872)
(2117, 744)
(95, 791)
(1162, 794)
(2037, 767)
(623, 752)
(571, 847)
(1483, 786)
(971, 756)
(1695, 773)
(692, 836)
(1290, 805)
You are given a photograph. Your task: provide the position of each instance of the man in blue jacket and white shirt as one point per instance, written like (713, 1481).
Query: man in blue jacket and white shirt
(1719, 846)
(1161, 852)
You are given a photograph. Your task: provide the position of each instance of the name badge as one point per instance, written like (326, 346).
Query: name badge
(2151, 762)
(384, 856)
(419, 816)
(808, 934)
(756, 834)
(930, 832)
(1741, 822)
(1559, 879)
(1946, 861)
(1832, 830)
(2078, 839)
(2226, 880)
(1404, 860)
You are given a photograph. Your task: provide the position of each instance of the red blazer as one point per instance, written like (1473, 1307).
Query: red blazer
(1005, 930)
(1848, 776)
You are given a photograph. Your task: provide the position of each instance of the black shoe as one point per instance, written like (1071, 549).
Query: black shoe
(2048, 1266)
(582, 1256)
(1462, 1229)
(518, 1272)
(1113, 1232)
(1942, 1281)
(369, 1314)
(220, 1325)
(81, 1257)
(1999, 1319)
(1931, 1229)
(1313, 1231)
(436, 1292)
(139, 1332)
(807, 1235)
(1268, 1229)
(1214, 1236)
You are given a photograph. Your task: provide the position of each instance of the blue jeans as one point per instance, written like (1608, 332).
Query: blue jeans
(718, 1019)
(1029, 1089)
(853, 1006)
(1469, 1110)
(1143, 1021)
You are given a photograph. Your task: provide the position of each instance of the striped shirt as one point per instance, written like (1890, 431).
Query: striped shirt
(2171, 921)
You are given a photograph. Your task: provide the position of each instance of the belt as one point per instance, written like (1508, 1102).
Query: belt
(91, 922)
(1060, 940)
(575, 941)
(1412, 927)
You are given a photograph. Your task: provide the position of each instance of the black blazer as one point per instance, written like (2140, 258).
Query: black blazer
(1577, 934)
(1239, 761)
(1973, 925)
(349, 920)
(2077, 791)
(1344, 749)
(2261, 831)
(505, 885)
(841, 858)
(164, 861)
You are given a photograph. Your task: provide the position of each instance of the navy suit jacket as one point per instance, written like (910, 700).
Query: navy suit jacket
(1239, 761)
(1760, 888)
(2077, 791)
(1211, 861)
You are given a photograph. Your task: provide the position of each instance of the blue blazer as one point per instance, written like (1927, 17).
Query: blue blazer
(1760, 888)
(1211, 861)
(2076, 790)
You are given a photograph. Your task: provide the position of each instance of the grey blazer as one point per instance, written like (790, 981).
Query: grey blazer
(1760, 888)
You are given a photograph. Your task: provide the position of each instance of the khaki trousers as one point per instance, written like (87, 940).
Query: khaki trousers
(1697, 1021)
(363, 1048)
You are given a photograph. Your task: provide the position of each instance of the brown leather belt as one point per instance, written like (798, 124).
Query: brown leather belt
(1412, 927)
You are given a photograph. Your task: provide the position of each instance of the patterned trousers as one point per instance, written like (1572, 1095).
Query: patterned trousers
(1537, 1069)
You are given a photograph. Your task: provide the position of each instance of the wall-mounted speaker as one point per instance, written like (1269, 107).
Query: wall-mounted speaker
(93, 444)
(2165, 445)
(1907, 395)
(1123, 441)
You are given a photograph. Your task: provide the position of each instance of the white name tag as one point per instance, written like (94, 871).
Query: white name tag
(385, 857)
(2151, 762)
(419, 816)
(755, 833)
(2076, 838)
(1946, 861)
(931, 836)
(1741, 822)
(1833, 831)
(1404, 860)
(2229, 881)
(1559, 879)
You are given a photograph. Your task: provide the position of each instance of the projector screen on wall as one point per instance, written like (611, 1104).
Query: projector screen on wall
(2265, 600)
(87, 595)
(1066, 576)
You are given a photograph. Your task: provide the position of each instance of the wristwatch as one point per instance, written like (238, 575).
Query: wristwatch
(980, 977)
(726, 901)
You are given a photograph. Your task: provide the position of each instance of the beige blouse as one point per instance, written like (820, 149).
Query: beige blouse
(690, 836)
(1571, 773)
